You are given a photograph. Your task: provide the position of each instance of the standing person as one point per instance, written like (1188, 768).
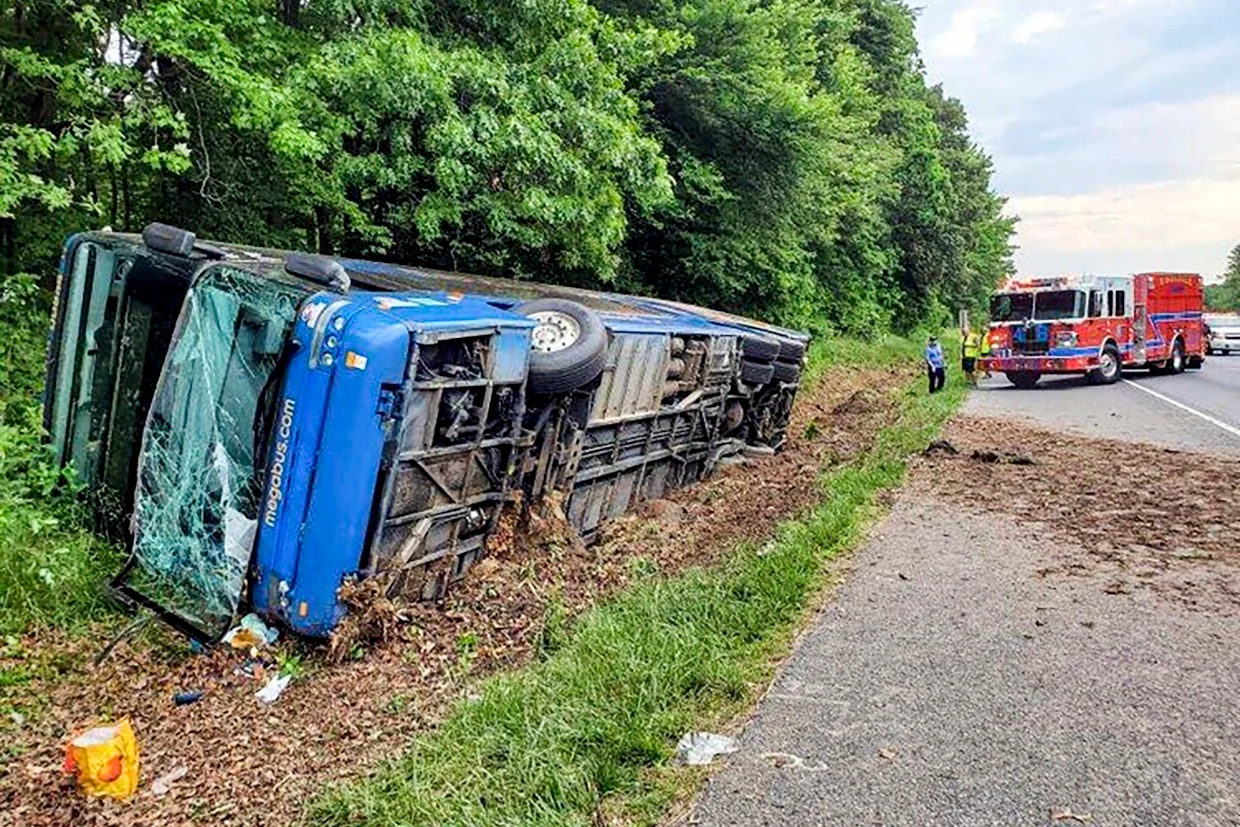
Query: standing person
(985, 351)
(970, 345)
(936, 365)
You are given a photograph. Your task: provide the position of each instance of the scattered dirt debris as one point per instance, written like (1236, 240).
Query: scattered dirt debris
(1000, 457)
(940, 446)
(360, 699)
(373, 617)
(862, 401)
(947, 449)
(1133, 516)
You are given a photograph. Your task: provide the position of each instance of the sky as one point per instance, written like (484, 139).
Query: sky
(1114, 124)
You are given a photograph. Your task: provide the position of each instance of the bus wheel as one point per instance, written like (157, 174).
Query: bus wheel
(1023, 379)
(568, 345)
(1107, 372)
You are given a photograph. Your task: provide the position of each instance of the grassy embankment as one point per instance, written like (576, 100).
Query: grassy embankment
(585, 735)
(51, 565)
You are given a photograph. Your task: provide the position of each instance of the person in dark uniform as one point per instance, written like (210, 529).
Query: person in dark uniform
(936, 365)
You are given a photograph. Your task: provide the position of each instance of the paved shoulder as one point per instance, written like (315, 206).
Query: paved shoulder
(950, 685)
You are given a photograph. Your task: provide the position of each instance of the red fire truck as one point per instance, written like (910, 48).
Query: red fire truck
(1096, 325)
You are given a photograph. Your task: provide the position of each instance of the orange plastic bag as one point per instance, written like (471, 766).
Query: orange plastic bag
(105, 760)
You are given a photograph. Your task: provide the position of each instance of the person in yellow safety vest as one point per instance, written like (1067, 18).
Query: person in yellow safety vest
(970, 347)
(985, 349)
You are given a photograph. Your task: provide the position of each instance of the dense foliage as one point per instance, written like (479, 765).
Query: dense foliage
(1226, 296)
(783, 158)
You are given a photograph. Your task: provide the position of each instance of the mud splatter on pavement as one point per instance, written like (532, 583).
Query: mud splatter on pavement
(1130, 516)
(246, 763)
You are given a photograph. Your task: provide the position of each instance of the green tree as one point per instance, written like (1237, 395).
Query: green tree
(783, 158)
(1226, 295)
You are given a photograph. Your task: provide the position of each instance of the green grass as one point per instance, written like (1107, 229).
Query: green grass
(51, 566)
(586, 735)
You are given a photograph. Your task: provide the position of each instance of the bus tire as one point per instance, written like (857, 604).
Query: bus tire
(759, 348)
(756, 373)
(791, 350)
(786, 372)
(569, 345)
(1108, 372)
(1023, 379)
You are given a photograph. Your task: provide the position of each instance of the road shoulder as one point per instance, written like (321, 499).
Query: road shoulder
(987, 668)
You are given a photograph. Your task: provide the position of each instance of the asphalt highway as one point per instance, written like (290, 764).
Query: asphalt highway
(1194, 410)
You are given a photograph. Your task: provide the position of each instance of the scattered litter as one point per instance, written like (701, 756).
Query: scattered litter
(795, 762)
(104, 760)
(164, 783)
(255, 668)
(191, 697)
(902, 575)
(17, 718)
(699, 748)
(271, 692)
(1059, 814)
(251, 633)
(889, 754)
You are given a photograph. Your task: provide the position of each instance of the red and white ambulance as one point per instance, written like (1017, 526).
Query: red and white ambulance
(1096, 325)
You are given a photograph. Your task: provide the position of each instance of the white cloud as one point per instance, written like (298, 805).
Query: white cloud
(1115, 125)
(1136, 218)
(959, 39)
(1186, 222)
(1038, 23)
(1185, 139)
(1185, 226)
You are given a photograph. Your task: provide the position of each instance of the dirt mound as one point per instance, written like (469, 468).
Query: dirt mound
(373, 617)
(861, 401)
(1131, 516)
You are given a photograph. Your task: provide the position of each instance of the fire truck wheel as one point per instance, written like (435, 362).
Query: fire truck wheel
(1176, 363)
(1108, 370)
(1023, 379)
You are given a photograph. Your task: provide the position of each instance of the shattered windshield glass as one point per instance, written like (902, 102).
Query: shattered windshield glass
(199, 474)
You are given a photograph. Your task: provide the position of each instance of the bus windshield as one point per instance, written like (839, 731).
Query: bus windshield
(199, 480)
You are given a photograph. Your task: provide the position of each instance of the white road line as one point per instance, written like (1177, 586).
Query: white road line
(1218, 423)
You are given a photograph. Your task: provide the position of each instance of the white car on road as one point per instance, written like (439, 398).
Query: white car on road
(1224, 334)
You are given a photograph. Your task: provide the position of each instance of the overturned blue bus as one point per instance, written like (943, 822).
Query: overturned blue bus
(264, 424)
